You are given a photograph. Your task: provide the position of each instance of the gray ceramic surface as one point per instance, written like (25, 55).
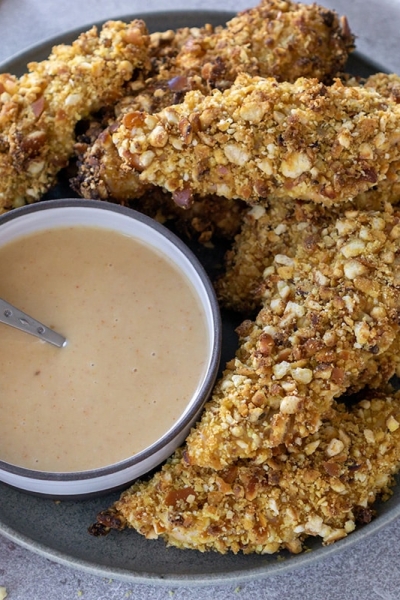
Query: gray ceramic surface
(58, 530)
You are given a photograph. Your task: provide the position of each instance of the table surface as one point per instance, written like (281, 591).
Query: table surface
(370, 569)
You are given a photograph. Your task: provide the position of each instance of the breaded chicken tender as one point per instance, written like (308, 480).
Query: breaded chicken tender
(282, 39)
(261, 138)
(100, 175)
(324, 488)
(276, 38)
(39, 112)
(329, 325)
(388, 190)
(266, 232)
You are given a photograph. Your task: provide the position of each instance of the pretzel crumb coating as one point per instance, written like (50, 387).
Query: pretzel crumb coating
(261, 138)
(264, 233)
(324, 487)
(388, 86)
(276, 38)
(38, 112)
(273, 230)
(330, 314)
(269, 231)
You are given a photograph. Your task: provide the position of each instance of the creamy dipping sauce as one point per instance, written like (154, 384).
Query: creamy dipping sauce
(137, 349)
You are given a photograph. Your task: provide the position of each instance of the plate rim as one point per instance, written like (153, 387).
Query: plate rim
(279, 567)
(302, 560)
(127, 17)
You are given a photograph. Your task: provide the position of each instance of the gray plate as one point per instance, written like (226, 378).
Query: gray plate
(59, 530)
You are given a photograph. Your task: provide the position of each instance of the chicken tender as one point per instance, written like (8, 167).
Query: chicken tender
(208, 218)
(388, 190)
(302, 41)
(265, 233)
(276, 38)
(261, 138)
(324, 488)
(100, 174)
(38, 112)
(329, 324)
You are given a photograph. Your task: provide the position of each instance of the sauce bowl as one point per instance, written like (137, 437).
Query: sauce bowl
(68, 214)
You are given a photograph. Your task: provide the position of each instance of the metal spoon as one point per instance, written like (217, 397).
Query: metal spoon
(16, 318)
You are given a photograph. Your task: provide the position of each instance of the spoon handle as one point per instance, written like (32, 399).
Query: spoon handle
(16, 318)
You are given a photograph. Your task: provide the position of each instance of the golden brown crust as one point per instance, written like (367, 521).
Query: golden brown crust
(388, 190)
(100, 175)
(261, 138)
(39, 113)
(276, 38)
(324, 480)
(387, 84)
(265, 233)
(323, 488)
(330, 315)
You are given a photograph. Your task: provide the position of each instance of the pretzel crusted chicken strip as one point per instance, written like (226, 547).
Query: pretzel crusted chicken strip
(388, 86)
(273, 230)
(276, 38)
(324, 488)
(330, 315)
(38, 115)
(261, 138)
(100, 175)
(269, 231)
(208, 218)
(265, 232)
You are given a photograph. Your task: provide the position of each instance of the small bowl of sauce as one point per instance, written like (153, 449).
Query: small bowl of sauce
(143, 345)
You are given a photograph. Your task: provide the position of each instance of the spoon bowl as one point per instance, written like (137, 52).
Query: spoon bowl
(12, 316)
